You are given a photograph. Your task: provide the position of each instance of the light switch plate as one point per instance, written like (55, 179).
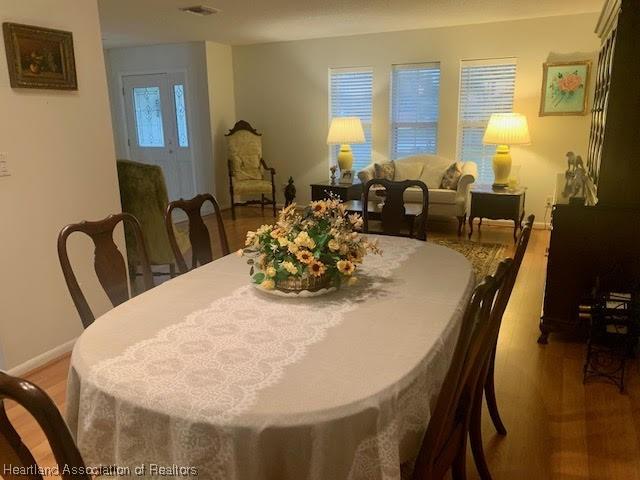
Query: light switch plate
(4, 165)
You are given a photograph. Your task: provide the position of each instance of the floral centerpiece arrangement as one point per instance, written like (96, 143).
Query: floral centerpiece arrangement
(312, 250)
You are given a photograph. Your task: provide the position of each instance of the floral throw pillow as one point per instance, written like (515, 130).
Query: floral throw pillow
(451, 177)
(385, 170)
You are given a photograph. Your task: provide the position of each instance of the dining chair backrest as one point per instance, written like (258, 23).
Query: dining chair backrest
(392, 214)
(198, 231)
(109, 263)
(444, 444)
(14, 454)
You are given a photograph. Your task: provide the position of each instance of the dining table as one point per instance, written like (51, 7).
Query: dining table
(209, 376)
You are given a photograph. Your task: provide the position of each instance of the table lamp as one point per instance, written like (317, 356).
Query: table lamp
(503, 130)
(344, 131)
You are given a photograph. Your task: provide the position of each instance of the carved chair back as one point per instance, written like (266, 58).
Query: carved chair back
(198, 231)
(392, 214)
(13, 452)
(109, 263)
(444, 443)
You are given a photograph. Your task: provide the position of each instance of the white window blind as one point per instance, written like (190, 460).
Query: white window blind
(415, 102)
(351, 95)
(486, 87)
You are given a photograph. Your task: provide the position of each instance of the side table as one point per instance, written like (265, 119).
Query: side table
(497, 205)
(321, 190)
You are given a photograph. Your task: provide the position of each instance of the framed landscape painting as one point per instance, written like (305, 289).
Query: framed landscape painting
(565, 88)
(39, 57)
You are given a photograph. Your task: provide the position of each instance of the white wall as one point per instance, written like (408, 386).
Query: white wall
(62, 161)
(222, 113)
(187, 57)
(281, 88)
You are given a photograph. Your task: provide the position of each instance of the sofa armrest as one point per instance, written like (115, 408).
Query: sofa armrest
(469, 175)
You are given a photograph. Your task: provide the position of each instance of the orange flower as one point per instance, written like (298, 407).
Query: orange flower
(317, 268)
(345, 267)
(304, 256)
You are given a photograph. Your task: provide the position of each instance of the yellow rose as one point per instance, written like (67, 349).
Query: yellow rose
(283, 241)
(268, 284)
(290, 267)
(334, 245)
(251, 238)
(270, 272)
(292, 247)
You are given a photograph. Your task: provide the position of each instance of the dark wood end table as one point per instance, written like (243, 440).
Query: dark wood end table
(497, 205)
(321, 190)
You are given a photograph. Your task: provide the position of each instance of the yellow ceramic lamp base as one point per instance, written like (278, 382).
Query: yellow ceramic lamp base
(501, 167)
(345, 158)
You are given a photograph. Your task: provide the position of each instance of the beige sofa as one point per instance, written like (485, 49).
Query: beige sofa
(430, 169)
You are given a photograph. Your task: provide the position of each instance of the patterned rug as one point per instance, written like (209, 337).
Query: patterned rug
(484, 257)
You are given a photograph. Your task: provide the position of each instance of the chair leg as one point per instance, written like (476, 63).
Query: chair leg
(459, 467)
(172, 270)
(262, 203)
(490, 394)
(233, 210)
(461, 222)
(475, 436)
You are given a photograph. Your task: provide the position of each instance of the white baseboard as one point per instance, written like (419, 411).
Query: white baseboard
(42, 359)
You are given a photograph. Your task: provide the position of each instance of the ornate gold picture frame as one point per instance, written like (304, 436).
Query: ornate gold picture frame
(39, 57)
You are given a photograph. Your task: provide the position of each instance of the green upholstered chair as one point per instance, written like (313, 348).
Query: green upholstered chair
(249, 175)
(143, 194)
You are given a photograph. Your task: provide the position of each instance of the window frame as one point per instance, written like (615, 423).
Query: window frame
(487, 150)
(367, 126)
(393, 124)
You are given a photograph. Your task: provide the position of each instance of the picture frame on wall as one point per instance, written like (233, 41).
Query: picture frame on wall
(565, 88)
(39, 57)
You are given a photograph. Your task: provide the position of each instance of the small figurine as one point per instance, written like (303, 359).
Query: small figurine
(289, 192)
(333, 169)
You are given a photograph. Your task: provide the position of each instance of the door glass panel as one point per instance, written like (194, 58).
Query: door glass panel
(181, 115)
(148, 112)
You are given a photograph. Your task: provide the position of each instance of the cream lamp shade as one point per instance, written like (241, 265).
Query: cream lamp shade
(505, 129)
(343, 131)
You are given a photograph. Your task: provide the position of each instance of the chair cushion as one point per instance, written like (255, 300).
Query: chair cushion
(407, 171)
(436, 195)
(251, 186)
(451, 177)
(245, 152)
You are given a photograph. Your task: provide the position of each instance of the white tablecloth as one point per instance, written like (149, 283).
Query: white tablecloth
(207, 372)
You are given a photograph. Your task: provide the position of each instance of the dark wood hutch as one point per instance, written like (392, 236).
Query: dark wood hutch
(602, 241)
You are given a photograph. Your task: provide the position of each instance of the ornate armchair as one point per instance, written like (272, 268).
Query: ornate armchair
(247, 169)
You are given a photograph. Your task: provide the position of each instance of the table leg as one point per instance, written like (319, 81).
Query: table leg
(470, 226)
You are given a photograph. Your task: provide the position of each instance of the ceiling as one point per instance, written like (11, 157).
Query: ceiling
(140, 22)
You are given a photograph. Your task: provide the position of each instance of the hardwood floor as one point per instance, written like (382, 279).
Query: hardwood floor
(558, 428)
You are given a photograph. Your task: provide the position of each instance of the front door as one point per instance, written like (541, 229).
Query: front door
(157, 128)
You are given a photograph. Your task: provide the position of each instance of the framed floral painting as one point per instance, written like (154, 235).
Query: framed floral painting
(565, 88)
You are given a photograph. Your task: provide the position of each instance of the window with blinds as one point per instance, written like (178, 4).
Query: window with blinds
(351, 95)
(415, 102)
(486, 87)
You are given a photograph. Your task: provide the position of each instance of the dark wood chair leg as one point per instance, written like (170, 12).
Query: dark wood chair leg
(273, 195)
(172, 270)
(461, 222)
(262, 203)
(475, 436)
(459, 467)
(233, 210)
(490, 394)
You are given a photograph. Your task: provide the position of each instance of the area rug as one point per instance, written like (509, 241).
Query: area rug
(484, 257)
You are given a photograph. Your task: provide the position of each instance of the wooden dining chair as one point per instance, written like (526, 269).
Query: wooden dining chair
(198, 231)
(13, 451)
(487, 383)
(109, 264)
(444, 444)
(393, 214)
